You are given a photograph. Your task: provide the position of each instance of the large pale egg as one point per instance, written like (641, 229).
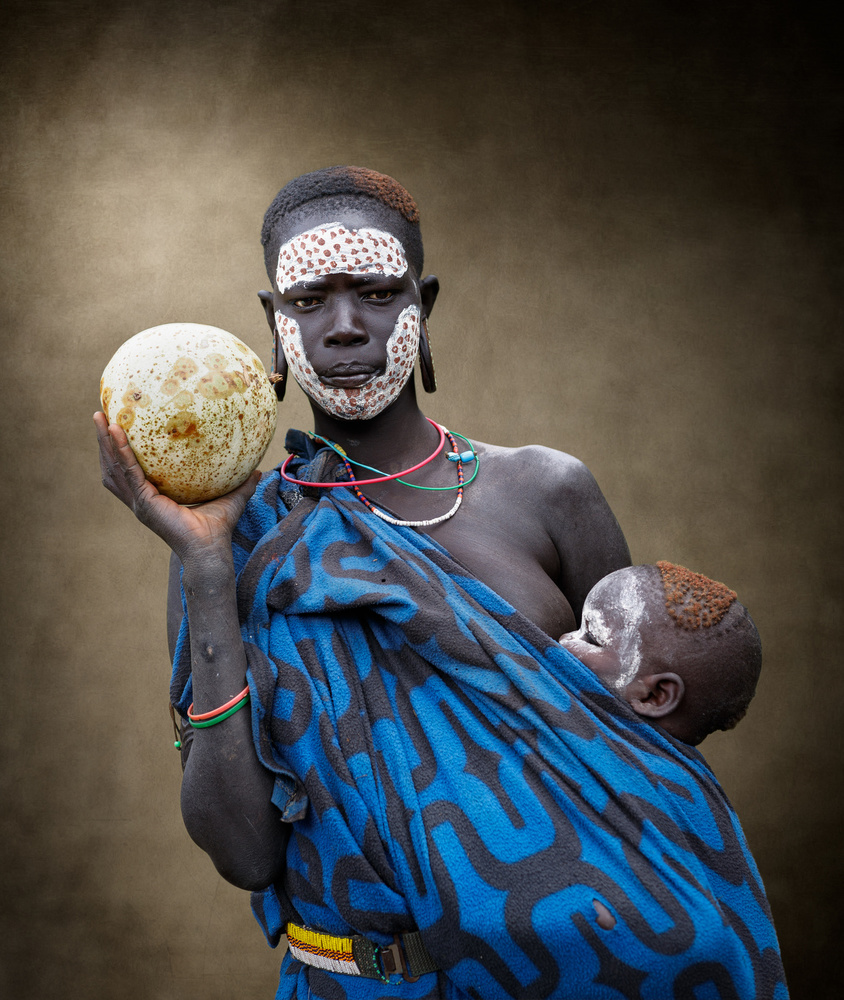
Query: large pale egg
(196, 405)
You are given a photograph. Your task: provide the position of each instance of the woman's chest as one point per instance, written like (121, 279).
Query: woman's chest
(509, 550)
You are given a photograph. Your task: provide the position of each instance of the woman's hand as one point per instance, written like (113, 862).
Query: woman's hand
(189, 531)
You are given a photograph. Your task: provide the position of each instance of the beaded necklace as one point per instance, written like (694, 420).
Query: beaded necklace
(453, 456)
(412, 524)
(382, 477)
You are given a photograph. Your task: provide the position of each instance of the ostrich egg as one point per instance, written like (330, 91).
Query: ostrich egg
(196, 405)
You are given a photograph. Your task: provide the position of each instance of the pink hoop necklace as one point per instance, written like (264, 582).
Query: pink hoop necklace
(368, 482)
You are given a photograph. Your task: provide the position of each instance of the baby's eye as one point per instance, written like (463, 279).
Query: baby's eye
(587, 636)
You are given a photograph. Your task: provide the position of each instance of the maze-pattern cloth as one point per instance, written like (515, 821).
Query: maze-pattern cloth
(445, 765)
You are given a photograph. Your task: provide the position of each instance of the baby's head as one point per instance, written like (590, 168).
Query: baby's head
(675, 645)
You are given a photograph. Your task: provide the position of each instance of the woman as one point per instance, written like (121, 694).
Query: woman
(394, 640)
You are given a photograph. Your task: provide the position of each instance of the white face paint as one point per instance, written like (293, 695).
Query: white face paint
(370, 399)
(630, 611)
(332, 249)
(619, 631)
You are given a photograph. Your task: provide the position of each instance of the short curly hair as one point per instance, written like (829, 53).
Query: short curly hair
(718, 645)
(333, 189)
(691, 599)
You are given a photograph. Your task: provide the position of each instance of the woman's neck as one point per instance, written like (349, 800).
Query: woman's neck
(396, 438)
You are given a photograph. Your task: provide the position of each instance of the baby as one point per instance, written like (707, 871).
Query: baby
(675, 645)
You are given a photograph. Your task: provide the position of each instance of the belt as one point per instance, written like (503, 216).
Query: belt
(358, 956)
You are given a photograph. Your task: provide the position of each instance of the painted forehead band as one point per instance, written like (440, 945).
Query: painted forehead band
(333, 249)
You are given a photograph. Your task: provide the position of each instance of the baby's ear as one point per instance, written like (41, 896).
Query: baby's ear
(655, 695)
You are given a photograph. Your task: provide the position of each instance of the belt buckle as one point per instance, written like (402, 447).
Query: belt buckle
(392, 960)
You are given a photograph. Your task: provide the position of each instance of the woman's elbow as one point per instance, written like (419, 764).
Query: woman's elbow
(252, 874)
(246, 852)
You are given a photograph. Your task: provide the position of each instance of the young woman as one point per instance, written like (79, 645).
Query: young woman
(386, 606)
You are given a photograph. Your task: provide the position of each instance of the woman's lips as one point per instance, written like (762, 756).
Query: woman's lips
(348, 376)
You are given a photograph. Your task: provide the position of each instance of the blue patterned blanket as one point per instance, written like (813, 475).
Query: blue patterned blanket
(445, 765)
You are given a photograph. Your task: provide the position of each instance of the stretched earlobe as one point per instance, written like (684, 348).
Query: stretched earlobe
(269, 308)
(429, 289)
(426, 362)
(656, 695)
(278, 375)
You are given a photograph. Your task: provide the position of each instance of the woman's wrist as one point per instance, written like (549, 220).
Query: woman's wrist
(210, 569)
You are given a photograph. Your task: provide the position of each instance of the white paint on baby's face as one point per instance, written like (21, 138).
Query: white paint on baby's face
(333, 249)
(368, 400)
(621, 622)
(618, 630)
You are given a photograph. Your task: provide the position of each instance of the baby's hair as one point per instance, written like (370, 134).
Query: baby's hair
(718, 646)
(337, 188)
(693, 600)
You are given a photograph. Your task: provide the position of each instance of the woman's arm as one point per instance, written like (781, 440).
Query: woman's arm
(226, 791)
(584, 529)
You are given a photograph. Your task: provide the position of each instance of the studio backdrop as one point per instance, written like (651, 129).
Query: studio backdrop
(634, 211)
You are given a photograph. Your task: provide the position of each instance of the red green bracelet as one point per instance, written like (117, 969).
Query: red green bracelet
(205, 719)
(220, 718)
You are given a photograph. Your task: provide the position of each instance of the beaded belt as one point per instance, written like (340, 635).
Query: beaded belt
(358, 956)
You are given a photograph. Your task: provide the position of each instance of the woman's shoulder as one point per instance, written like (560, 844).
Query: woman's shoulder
(547, 469)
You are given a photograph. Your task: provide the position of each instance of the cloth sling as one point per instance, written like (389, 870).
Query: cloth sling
(446, 766)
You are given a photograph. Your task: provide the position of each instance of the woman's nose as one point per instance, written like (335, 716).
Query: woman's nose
(346, 328)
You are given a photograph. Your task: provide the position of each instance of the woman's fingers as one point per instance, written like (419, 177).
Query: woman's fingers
(121, 472)
(235, 502)
(215, 519)
(186, 529)
(128, 462)
(111, 466)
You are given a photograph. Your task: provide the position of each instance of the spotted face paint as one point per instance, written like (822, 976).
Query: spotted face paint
(370, 399)
(332, 249)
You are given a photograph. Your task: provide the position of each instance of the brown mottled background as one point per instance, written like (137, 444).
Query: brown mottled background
(635, 210)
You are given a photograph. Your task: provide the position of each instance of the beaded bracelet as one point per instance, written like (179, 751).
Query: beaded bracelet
(204, 719)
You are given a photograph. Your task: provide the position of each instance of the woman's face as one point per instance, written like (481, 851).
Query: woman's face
(348, 312)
